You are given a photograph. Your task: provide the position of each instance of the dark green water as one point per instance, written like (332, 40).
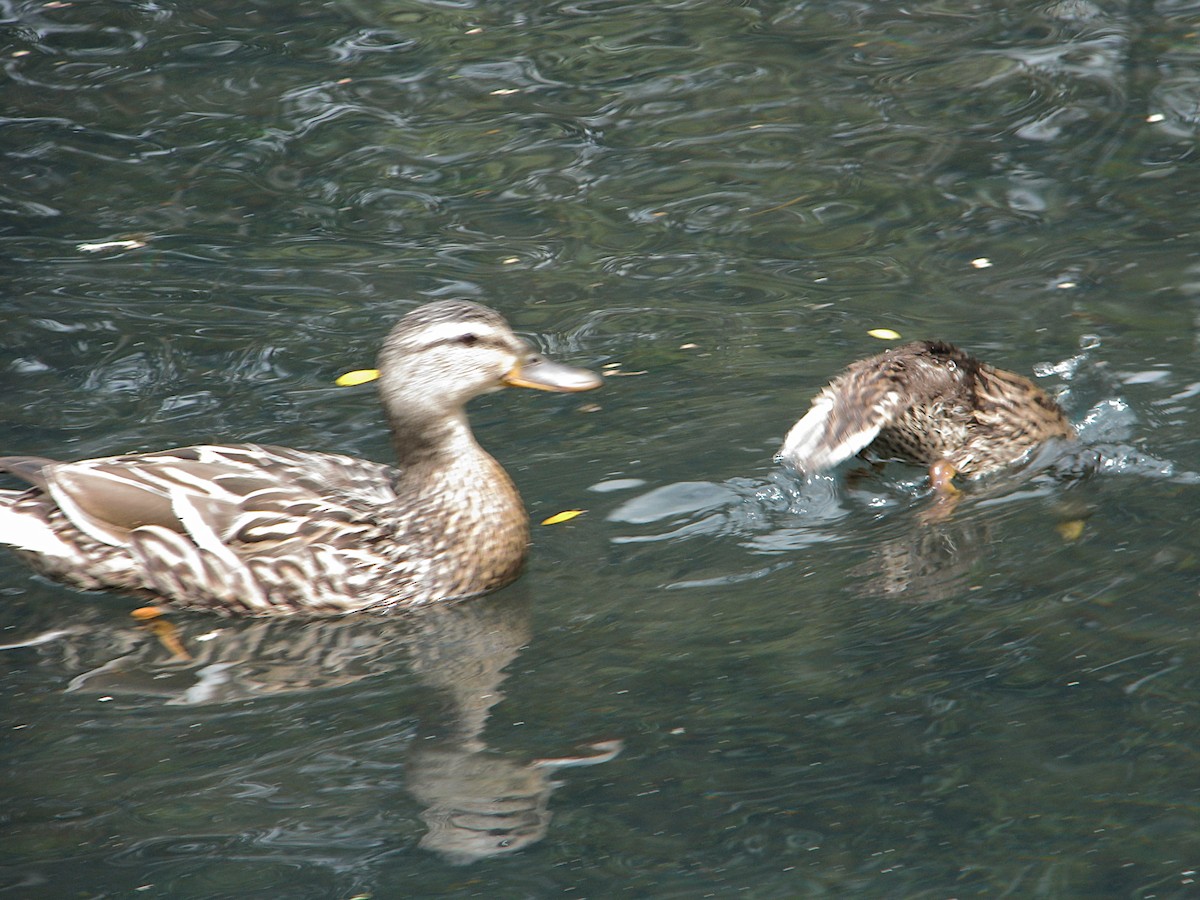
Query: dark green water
(817, 694)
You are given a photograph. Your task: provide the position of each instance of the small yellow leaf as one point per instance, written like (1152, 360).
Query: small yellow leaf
(884, 334)
(565, 516)
(1071, 530)
(358, 376)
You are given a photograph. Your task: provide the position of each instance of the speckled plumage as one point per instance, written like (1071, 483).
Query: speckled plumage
(924, 403)
(257, 530)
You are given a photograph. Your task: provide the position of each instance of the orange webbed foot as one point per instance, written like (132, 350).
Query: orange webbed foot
(151, 617)
(946, 494)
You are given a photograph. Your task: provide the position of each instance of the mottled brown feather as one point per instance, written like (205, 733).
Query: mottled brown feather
(257, 530)
(921, 403)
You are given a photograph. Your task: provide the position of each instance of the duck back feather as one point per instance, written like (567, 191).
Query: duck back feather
(921, 403)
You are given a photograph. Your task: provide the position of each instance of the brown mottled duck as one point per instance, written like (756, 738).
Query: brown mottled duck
(258, 530)
(927, 403)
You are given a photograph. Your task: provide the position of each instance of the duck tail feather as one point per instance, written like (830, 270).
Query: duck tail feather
(27, 468)
(27, 532)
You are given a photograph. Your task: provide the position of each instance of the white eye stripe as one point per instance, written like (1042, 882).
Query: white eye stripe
(454, 331)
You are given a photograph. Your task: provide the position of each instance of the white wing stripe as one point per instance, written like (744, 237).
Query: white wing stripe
(201, 531)
(28, 533)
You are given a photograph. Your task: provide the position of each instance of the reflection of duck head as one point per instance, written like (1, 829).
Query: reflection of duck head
(480, 804)
(477, 803)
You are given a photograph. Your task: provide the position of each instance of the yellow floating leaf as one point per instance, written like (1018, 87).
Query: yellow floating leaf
(565, 516)
(1071, 530)
(884, 334)
(358, 376)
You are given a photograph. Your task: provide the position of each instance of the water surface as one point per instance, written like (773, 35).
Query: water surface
(209, 213)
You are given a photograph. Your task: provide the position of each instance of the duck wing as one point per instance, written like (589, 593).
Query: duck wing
(868, 397)
(210, 523)
(223, 493)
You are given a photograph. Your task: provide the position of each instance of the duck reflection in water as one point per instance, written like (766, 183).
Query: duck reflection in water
(478, 803)
(931, 561)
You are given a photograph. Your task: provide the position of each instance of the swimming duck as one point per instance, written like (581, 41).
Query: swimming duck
(258, 530)
(927, 403)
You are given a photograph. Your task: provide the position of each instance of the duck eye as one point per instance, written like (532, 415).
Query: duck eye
(470, 339)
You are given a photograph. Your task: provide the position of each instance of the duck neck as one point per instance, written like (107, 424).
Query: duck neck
(424, 440)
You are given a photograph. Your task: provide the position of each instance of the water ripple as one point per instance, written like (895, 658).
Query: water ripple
(821, 694)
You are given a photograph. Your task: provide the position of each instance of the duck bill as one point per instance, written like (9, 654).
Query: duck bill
(542, 374)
